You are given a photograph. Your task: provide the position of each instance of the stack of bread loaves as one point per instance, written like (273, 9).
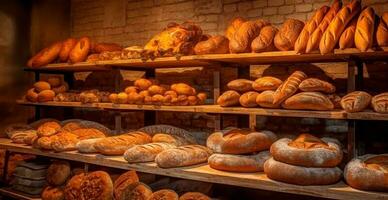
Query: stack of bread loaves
(44, 91)
(240, 150)
(148, 91)
(57, 175)
(306, 160)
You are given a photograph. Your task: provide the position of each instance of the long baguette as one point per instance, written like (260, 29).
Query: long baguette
(347, 37)
(337, 26)
(309, 28)
(315, 38)
(382, 31)
(363, 38)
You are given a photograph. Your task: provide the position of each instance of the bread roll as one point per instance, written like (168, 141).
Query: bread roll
(142, 83)
(122, 98)
(363, 37)
(337, 26)
(130, 89)
(308, 151)
(31, 95)
(47, 55)
(315, 37)
(380, 103)
(164, 194)
(46, 95)
(122, 182)
(244, 35)
(229, 98)
(347, 37)
(102, 47)
(201, 98)
(368, 172)
(265, 99)
(48, 128)
(80, 51)
(248, 99)
(97, 185)
(117, 145)
(265, 40)
(183, 156)
(233, 27)
(240, 85)
(355, 101)
(214, 45)
(288, 87)
(136, 191)
(156, 89)
(64, 141)
(67, 46)
(239, 163)
(316, 85)
(58, 172)
(288, 34)
(266, 83)
(43, 143)
(297, 175)
(41, 85)
(87, 146)
(73, 187)
(52, 193)
(183, 89)
(308, 101)
(145, 152)
(237, 141)
(171, 139)
(194, 196)
(382, 31)
(309, 28)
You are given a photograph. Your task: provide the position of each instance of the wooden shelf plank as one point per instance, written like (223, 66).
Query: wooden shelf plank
(76, 67)
(17, 195)
(204, 173)
(367, 115)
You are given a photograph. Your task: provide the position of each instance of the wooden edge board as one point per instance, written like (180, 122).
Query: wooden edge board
(204, 173)
(17, 195)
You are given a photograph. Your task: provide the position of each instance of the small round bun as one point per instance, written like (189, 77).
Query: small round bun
(58, 172)
(41, 85)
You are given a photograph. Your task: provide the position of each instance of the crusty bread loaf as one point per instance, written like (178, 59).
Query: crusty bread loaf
(248, 99)
(265, 99)
(142, 83)
(117, 145)
(46, 56)
(73, 187)
(183, 89)
(136, 191)
(52, 193)
(288, 87)
(171, 139)
(214, 45)
(67, 46)
(164, 194)
(96, 185)
(288, 34)
(122, 182)
(48, 128)
(233, 27)
(315, 37)
(301, 175)
(145, 152)
(88, 133)
(183, 156)
(308, 101)
(368, 172)
(46, 95)
(80, 51)
(239, 163)
(194, 195)
(244, 35)
(265, 40)
(240, 85)
(87, 146)
(266, 83)
(229, 98)
(316, 85)
(380, 103)
(382, 31)
(309, 28)
(58, 172)
(356, 101)
(365, 30)
(347, 37)
(308, 151)
(337, 26)
(64, 141)
(41, 85)
(237, 141)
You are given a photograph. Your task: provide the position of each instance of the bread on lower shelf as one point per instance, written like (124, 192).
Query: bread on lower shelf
(239, 163)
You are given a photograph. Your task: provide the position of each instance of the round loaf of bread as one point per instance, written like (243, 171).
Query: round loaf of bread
(53, 193)
(240, 85)
(368, 172)
(266, 83)
(73, 187)
(58, 172)
(229, 98)
(130, 89)
(239, 163)
(164, 194)
(97, 185)
(183, 89)
(237, 141)
(248, 99)
(43, 143)
(136, 191)
(380, 103)
(356, 101)
(41, 85)
(308, 151)
(46, 95)
(48, 128)
(122, 182)
(194, 196)
(298, 175)
(142, 83)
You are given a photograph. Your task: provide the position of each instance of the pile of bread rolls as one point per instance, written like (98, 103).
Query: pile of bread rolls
(57, 175)
(44, 91)
(71, 50)
(148, 91)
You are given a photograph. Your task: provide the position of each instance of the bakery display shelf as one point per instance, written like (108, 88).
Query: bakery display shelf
(8, 192)
(204, 173)
(67, 67)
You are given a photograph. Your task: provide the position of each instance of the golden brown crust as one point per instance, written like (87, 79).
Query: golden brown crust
(183, 156)
(58, 172)
(214, 45)
(80, 51)
(308, 101)
(194, 196)
(355, 101)
(102, 47)
(238, 163)
(53, 193)
(46, 95)
(97, 185)
(316, 85)
(67, 46)
(122, 182)
(233, 27)
(365, 30)
(48, 128)
(47, 55)
(229, 98)
(265, 40)
(41, 85)
(248, 99)
(156, 89)
(54, 81)
(31, 95)
(266, 83)
(73, 187)
(265, 99)
(382, 31)
(64, 141)
(288, 87)
(242, 38)
(142, 83)
(130, 89)
(347, 37)
(380, 103)
(164, 194)
(136, 191)
(88, 133)
(288, 34)
(183, 89)
(240, 85)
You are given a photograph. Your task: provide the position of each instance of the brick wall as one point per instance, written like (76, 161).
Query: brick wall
(134, 22)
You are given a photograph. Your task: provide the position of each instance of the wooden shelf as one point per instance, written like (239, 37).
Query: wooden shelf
(204, 173)
(8, 192)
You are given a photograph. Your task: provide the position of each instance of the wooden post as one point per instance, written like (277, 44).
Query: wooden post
(351, 86)
(216, 94)
(117, 114)
(5, 167)
(37, 108)
(245, 120)
(150, 115)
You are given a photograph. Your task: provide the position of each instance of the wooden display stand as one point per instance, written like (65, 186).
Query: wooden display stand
(353, 57)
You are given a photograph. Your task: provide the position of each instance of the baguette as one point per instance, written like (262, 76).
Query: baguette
(363, 37)
(309, 28)
(308, 101)
(264, 42)
(288, 34)
(67, 46)
(288, 87)
(337, 26)
(183, 156)
(347, 37)
(87, 146)
(315, 37)
(382, 31)
(239, 163)
(316, 85)
(145, 152)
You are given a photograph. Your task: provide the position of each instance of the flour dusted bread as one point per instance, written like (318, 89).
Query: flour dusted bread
(248, 99)
(382, 31)
(58, 173)
(308, 101)
(145, 152)
(96, 185)
(233, 27)
(288, 34)
(347, 37)
(240, 85)
(301, 175)
(265, 99)
(266, 83)
(308, 151)
(356, 101)
(316, 85)
(117, 145)
(87, 146)
(244, 35)
(67, 46)
(136, 191)
(229, 98)
(164, 194)
(365, 30)
(288, 87)
(380, 103)
(171, 139)
(368, 172)
(194, 196)
(337, 26)
(239, 163)
(183, 156)
(214, 45)
(238, 141)
(122, 182)
(80, 51)
(265, 40)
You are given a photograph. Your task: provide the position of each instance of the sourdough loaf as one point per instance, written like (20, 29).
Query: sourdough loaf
(48, 128)
(382, 31)
(73, 187)
(214, 45)
(124, 181)
(229, 98)
(240, 85)
(183, 156)
(96, 185)
(308, 101)
(316, 85)
(363, 37)
(355, 101)
(288, 87)
(145, 152)
(265, 40)
(265, 99)
(244, 35)
(347, 37)
(239, 163)
(64, 141)
(380, 103)
(288, 34)
(266, 83)
(248, 99)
